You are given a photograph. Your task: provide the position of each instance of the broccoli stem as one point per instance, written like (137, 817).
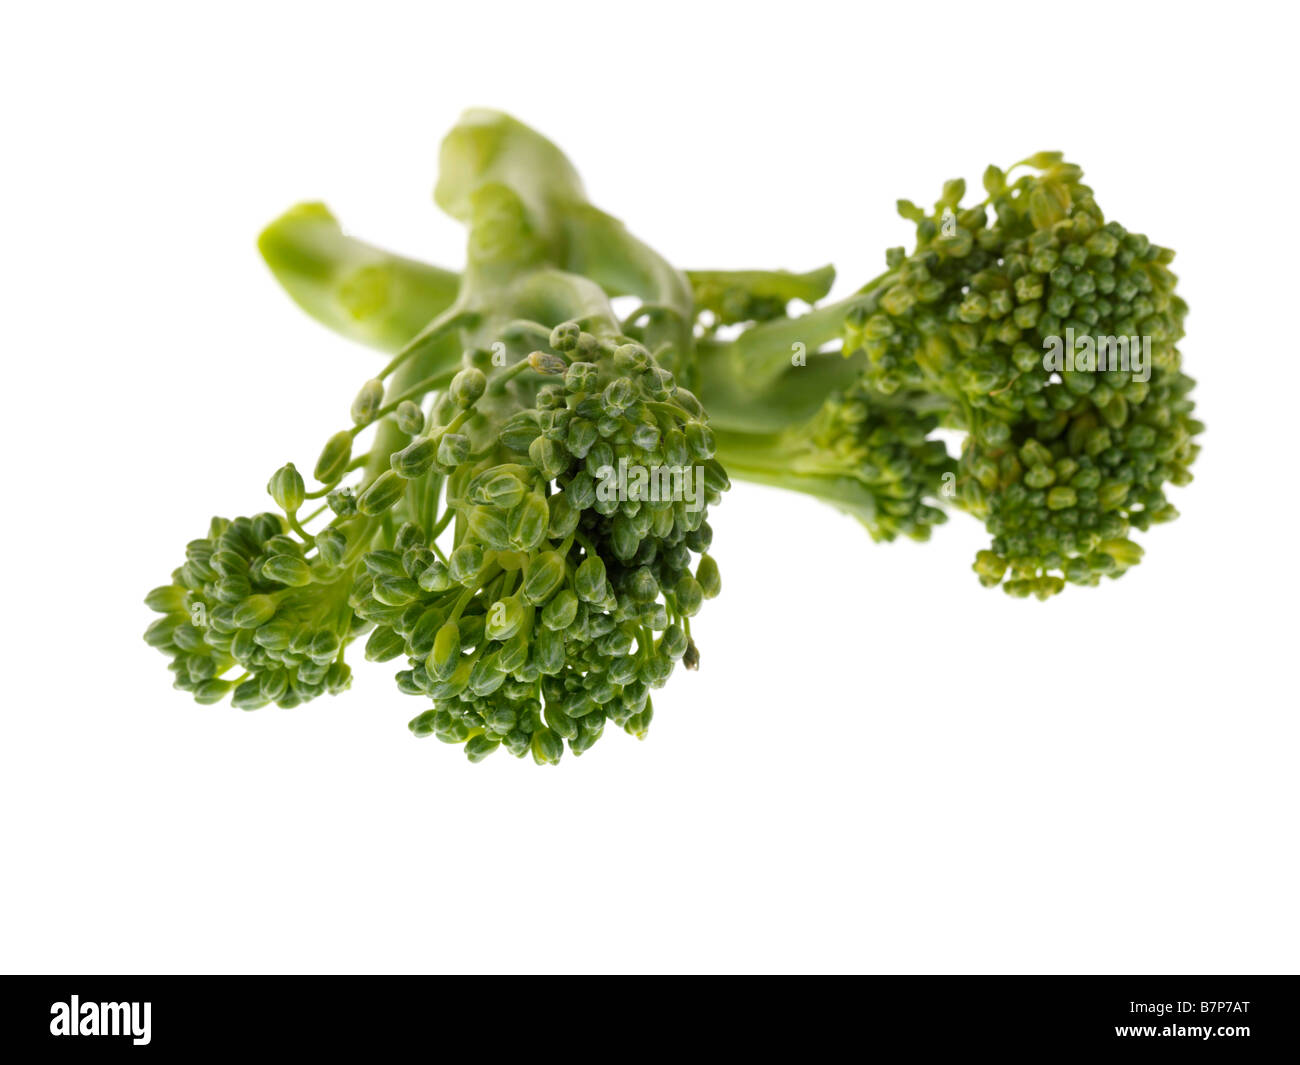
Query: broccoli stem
(727, 390)
(769, 459)
(360, 291)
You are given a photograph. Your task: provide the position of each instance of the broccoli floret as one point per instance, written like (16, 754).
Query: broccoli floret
(559, 605)
(549, 446)
(1060, 459)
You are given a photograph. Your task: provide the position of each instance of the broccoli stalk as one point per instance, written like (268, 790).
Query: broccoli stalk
(556, 605)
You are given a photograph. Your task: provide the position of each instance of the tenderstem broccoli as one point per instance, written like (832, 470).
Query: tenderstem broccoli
(554, 607)
(473, 539)
(1061, 462)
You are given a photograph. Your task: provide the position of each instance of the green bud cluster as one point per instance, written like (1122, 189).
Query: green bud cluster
(1060, 465)
(559, 607)
(248, 596)
(887, 451)
(873, 460)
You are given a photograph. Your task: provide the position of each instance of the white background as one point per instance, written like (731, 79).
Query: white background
(880, 766)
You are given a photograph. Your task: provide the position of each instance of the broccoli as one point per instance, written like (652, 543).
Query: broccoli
(1064, 452)
(556, 605)
(489, 536)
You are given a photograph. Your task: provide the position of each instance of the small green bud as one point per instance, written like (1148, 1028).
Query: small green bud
(343, 501)
(383, 492)
(422, 634)
(212, 691)
(445, 656)
(1125, 552)
(561, 611)
(324, 646)
(581, 492)
(528, 522)
(548, 651)
(519, 430)
(453, 449)
(632, 356)
(166, 599)
(638, 725)
(410, 419)
(1061, 497)
(561, 723)
(248, 696)
(422, 726)
(589, 580)
(488, 526)
(383, 563)
(467, 387)
(286, 488)
(581, 377)
(254, 611)
(466, 563)
(416, 559)
(159, 633)
(625, 538)
(581, 435)
(617, 396)
(646, 437)
(435, 577)
(338, 678)
(384, 645)
(563, 518)
(689, 596)
(287, 569)
(479, 747)
(673, 642)
(499, 486)
(273, 684)
(547, 747)
(642, 586)
(415, 459)
(331, 545)
(699, 438)
(565, 336)
(187, 637)
(543, 577)
(707, 574)
(395, 591)
(545, 362)
(548, 456)
(233, 589)
(334, 457)
(368, 402)
(990, 566)
(503, 619)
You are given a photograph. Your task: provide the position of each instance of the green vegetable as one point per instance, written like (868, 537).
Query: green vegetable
(489, 535)
(553, 609)
(1061, 461)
